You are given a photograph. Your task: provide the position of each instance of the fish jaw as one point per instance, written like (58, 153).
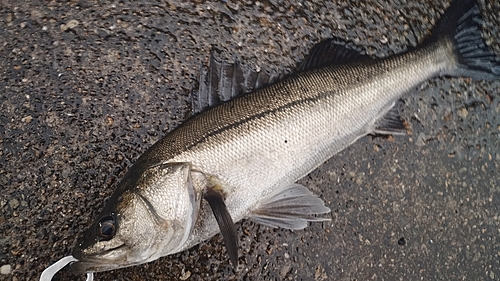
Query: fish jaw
(150, 221)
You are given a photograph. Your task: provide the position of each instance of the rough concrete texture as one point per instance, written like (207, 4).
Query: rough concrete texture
(87, 86)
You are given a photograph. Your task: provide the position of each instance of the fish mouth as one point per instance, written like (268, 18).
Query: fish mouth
(81, 254)
(102, 261)
(81, 267)
(98, 265)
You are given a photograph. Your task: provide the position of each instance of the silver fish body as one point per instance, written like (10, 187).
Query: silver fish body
(264, 141)
(252, 148)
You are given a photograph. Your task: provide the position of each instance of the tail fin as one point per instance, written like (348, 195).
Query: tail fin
(462, 22)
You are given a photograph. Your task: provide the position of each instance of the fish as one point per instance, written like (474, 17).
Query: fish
(242, 158)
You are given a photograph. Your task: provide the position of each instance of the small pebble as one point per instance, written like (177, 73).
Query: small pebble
(5, 269)
(421, 139)
(186, 275)
(14, 203)
(27, 119)
(69, 25)
(462, 112)
(66, 172)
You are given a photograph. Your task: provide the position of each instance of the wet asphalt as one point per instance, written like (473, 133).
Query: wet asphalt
(87, 86)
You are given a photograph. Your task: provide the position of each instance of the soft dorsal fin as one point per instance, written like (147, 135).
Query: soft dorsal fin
(333, 51)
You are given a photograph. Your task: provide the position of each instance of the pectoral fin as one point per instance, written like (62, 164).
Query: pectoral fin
(226, 224)
(290, 208)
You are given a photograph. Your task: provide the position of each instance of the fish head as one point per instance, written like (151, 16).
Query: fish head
(152, 216)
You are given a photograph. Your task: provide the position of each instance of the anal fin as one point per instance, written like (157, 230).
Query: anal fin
(290, 208)
(390, 124)
(226, 225)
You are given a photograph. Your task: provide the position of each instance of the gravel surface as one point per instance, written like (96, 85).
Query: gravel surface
(87, 86)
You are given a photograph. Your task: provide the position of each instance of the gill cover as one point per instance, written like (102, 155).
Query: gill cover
(149, 219)
(169, 194)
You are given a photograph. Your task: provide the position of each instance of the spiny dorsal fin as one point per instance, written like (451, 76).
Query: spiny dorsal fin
(333, 51)
(226, 225)
(290, 208)
(225, 81)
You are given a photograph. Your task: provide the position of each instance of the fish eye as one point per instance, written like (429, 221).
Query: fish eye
(106, 228)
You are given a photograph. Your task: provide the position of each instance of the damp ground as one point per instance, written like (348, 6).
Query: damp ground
(87, 86)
